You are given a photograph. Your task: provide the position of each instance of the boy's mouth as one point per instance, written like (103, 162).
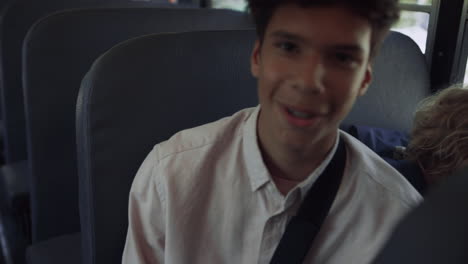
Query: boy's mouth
(299, 117)
(298, 114)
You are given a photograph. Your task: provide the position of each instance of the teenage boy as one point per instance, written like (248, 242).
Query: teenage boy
(225, 192)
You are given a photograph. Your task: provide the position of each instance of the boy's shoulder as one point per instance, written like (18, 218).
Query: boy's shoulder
(220, 131)
(377, 172)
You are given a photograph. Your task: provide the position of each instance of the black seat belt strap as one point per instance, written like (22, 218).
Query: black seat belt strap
(304, 227)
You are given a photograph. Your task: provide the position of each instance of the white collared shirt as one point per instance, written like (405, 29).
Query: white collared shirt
(205, 196)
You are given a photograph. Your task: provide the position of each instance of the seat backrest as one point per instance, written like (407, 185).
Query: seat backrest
(400, 81)
(18, 17)
(143, 91)
(157, 85)
(435, 232)
(3, 5)
(58, 51)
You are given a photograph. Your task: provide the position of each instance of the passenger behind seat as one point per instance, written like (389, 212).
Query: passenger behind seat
(438, 144)
(439, 138)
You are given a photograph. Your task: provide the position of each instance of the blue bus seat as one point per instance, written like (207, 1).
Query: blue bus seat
(57, 53)
(18, 17)
(400, 81)
(147, 89)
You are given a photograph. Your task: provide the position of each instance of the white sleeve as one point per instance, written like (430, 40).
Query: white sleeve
(146, 228)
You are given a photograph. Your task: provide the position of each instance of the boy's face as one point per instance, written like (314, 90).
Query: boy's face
(311, 66)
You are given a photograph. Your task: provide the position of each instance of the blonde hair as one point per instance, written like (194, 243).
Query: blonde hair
(439, 139)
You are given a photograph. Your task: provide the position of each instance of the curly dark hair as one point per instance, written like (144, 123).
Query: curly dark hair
(381, 14)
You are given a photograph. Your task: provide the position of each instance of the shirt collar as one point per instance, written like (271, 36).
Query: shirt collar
(256, 169)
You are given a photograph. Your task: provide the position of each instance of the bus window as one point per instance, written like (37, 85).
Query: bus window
(415, 25)
(463, 53)
(416, 21)
(239, 5)
(419, 2)
(465, 80)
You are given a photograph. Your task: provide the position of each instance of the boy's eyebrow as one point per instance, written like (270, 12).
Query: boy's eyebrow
(287, 35)
(348, 48)
(295, 37)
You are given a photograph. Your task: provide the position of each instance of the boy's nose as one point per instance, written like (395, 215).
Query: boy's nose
(310, 75)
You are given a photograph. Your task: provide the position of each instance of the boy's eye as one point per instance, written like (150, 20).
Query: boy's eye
(345, 59)
(287, 46)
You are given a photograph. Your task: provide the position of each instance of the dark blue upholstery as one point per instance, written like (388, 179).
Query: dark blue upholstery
(387, 144)
(147, 89)
(144, 90)
(57, 54)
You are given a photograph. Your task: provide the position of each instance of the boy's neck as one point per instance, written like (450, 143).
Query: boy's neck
(288, 169)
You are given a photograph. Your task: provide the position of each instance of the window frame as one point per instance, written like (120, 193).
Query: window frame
(433, 11)
(447, 43)
(461, 51)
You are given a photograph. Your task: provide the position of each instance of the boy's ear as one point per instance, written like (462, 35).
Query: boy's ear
(255, 59)
(366, 80)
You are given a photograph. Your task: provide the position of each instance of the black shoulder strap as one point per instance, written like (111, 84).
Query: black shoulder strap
(304, 227)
